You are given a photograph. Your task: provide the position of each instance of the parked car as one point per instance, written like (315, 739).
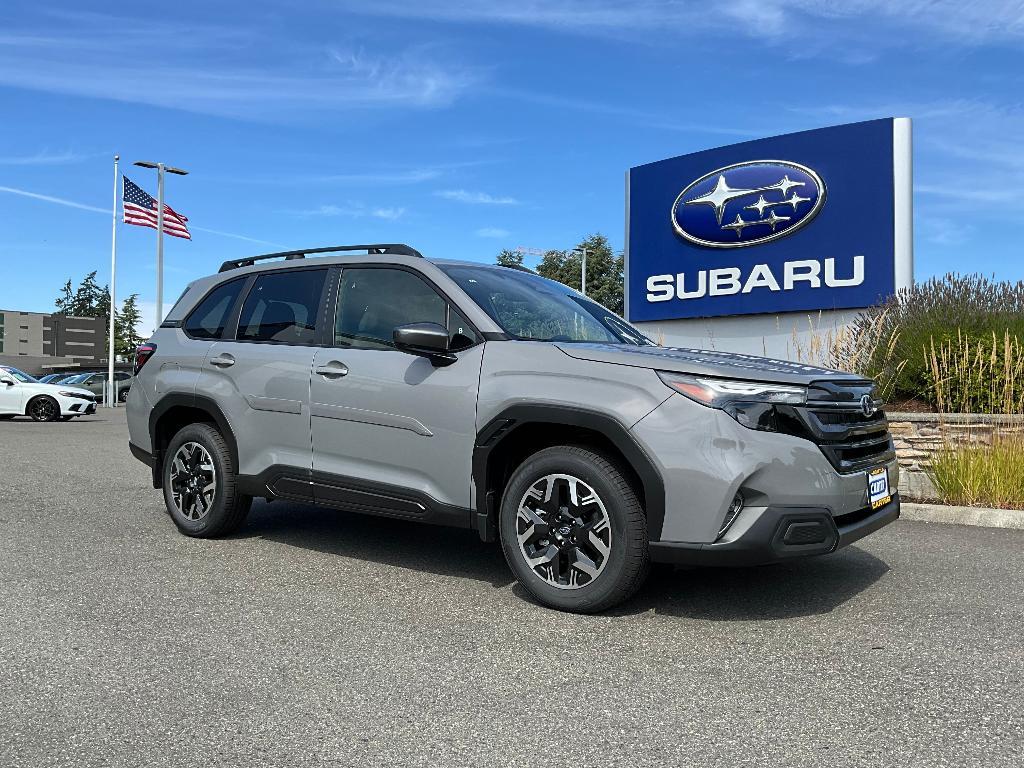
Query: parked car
(23, 395)
(493, 399)
(96, 382)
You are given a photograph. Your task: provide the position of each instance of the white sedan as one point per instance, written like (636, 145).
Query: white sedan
(22, 395)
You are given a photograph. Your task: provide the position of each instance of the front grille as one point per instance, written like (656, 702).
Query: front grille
(833, 418)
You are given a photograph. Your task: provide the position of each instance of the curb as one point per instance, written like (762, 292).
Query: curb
(981, 516)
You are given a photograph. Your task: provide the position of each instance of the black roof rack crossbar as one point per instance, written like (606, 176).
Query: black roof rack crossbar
(399, 249)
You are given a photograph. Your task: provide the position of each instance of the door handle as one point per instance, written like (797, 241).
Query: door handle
(223, 361)
(332, 370)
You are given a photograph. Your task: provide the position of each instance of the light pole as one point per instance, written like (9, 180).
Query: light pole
(583, 270)
(160, 169)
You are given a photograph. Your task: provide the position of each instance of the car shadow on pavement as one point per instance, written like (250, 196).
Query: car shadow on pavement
(802, 587)
(400, 543)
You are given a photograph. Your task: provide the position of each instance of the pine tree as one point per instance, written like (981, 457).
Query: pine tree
(126, 335)
(509, 258)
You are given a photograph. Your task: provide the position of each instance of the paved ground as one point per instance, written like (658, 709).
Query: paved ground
(323, 638)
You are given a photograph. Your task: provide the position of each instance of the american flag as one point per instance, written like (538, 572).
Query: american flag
(140, 208)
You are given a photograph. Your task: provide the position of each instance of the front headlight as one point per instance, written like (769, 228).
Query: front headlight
(754, 404)
(76, 395)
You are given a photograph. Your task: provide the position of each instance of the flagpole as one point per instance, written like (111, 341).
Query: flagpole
(111, 384)
(159, 244)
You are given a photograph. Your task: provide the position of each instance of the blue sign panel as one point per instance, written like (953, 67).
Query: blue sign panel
(791, 223)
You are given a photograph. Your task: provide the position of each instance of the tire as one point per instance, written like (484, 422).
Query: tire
(43, 408)
(122, 396)
(601, 556)
(198, 453)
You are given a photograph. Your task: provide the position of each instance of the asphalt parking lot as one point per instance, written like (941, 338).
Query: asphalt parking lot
(323, 638)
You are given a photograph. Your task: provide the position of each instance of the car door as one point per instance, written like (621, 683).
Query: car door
(12, 394)
(392, 432)
(260, 377)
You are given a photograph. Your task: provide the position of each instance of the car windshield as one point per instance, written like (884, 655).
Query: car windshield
(21, 376)
(531, 307)
(77, 378)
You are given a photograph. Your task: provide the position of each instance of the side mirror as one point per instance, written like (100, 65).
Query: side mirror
(7, 381)
(425, 339)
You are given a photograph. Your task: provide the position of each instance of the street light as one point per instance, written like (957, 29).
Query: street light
(160, 170)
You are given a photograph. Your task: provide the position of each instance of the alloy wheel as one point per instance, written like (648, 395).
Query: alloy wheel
(564, 531)
(193, 481)
(43, 409)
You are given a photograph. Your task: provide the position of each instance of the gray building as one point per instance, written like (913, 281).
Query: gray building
(41, 343)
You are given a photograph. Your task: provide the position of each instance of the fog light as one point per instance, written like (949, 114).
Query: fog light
(734, 509)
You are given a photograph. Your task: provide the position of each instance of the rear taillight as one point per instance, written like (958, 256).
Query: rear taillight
(142, 353)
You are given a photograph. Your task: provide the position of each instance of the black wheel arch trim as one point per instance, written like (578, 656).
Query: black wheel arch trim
(507, 421)
(198, 402)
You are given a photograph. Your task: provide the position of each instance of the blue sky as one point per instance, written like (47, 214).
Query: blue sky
(463, 128)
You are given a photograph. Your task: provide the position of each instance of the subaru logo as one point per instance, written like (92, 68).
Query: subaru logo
(748, 203)
(867, 405)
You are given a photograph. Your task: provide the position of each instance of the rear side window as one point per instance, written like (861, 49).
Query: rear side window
(283, 307)
(207, 320)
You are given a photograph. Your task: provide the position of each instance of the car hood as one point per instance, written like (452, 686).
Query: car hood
(705, 362)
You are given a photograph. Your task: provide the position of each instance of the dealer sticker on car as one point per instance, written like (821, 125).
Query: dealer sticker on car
(878, 488)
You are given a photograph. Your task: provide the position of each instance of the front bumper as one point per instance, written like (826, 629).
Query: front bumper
(780, 533)
(77, 407)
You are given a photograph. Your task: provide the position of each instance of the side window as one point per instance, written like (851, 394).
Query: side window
(282, 307)
(373, 302)
(121, 376)
(207, 320)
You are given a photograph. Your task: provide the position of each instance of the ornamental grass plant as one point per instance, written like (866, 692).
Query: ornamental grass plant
(984, 376)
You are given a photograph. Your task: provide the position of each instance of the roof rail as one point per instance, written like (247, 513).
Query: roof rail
(399, 249)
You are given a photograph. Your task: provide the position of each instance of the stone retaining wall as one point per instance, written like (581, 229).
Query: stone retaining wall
(919, 435)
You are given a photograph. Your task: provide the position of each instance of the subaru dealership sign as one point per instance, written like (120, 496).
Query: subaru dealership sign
(818, 220)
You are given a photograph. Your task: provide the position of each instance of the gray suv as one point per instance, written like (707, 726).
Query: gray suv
(377, 381)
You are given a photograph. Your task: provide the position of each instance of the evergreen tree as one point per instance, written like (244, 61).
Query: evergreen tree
(509, 258)
(66, 301)
(126, 335)
(604, 270)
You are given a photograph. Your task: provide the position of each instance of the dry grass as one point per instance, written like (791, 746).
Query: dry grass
(867, 349)
(980, 376)
(982, 475)
(971, 375)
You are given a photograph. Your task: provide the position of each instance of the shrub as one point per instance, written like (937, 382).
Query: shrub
(968, 375)
(986, 475)
(893, 343)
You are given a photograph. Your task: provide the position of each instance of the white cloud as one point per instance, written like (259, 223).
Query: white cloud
(45, 157)
(493, 232)
(210, 70)
(953, 20)
(107, 212)
(475, 198)
(355, 211)
(410, 176)
(56, 200)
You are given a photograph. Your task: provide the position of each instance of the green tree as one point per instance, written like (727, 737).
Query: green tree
(604, 270)
(126, 335)
(509, 258)
(90, 299)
